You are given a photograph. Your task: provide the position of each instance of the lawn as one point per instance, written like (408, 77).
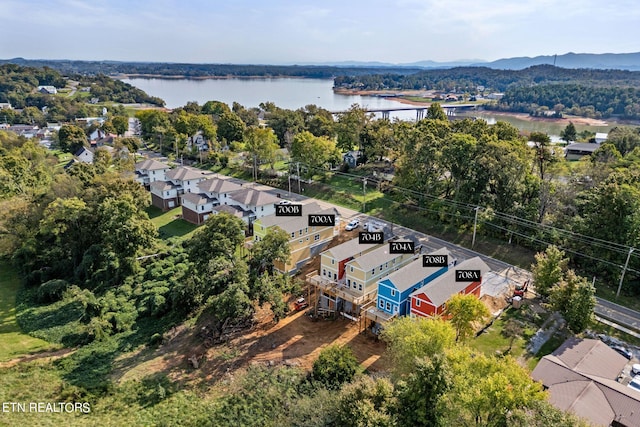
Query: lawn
(13, 342)
(492, 340)
(170, 223)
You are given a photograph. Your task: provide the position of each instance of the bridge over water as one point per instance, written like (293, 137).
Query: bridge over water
(450, 109)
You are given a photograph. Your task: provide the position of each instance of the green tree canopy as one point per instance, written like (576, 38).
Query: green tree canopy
(464, 312)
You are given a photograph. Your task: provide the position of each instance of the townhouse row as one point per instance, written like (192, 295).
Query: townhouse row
(371, 283)
(361, 281)
(201, 194)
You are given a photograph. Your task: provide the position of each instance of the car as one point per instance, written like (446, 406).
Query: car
(353, 224)
(301, 303)
(284, 202)
(623, 351)
(634, 384)
(635, 369)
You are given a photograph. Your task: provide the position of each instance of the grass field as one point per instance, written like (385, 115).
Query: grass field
(13, 342)
(170, 224)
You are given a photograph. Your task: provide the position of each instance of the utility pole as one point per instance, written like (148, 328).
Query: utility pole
(255, 172)
(624, 270)
(364, 194)
(289, 178)
(298, 171)
(475, 223)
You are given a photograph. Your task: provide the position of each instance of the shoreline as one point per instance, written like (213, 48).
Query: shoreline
(399, 95)
(183, 77)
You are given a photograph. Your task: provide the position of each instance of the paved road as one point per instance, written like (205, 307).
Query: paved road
(505, 274)
(621, 315)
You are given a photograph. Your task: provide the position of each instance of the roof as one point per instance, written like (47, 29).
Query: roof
(374, 258)
(253, 197)
(218, 185)
(151, 165)
(582, 146)
(581, 377)
(295, 223)
(440, 289)
(196, 199)
(184, 173)
(233, 210)
(414, 272)
(162, 185)
(349, 249)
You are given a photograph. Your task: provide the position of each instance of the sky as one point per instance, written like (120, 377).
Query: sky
(310, 31)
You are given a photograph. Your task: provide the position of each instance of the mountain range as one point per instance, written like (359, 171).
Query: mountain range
(620, 61)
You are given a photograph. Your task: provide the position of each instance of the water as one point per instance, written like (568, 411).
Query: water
(288, 93)
(294, 93)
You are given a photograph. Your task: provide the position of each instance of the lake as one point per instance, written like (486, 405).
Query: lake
(294, 93)
(289, 93)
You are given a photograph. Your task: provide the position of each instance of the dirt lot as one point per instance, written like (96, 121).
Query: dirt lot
(295, 340)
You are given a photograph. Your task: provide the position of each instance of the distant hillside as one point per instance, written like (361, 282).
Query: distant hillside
(619, 61)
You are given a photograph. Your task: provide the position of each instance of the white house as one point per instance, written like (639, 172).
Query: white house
(220, 189)
(148, 171)
(258, 202)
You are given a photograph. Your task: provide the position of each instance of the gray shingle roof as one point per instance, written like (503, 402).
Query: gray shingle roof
(252, 197)
(184, 173)
(162, 185)
(291, 224)
(348, 249)
(218, 185)
(196, 199)
(440, 289)
(233, 210)
(150, 164)
(374, 258)
(414, 272)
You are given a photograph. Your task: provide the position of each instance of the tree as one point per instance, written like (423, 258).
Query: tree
(486, 389)
(574, 298)
(408, 339)
(230, 127)
(366, 402)
(274, 246)
(463, 312)
(569, 133)
(349, 126)
(436, 112)
(420, 395)
(548, 270)
(261, 144)
(313, 151)
(71, 138)
(335, 366)
(624, 138)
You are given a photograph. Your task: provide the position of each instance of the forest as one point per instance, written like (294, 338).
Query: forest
(535, 90)
(204, 70)
(79, 238)
(18, 86)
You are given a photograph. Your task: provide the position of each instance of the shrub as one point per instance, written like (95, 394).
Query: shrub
(52, 290)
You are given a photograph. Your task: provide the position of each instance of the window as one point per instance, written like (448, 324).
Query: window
(262, 208)
(306, 230)
(381, 304)
(348, 282)
(417, 302)
(300, 233)
(373, 271)
(293, 235)
(393, 292)
(351, 268)
(359, 286)
(300, 241)
(333, 261)
(380, 268)
(324, 272)
(388, 307)
(307, 239)
(393, 261)
(316, 237)
(395, 308)
(386, 265)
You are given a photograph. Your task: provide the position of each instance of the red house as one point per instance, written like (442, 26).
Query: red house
(465, 278)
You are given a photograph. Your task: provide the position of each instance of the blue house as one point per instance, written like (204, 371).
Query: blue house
(394, 290)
